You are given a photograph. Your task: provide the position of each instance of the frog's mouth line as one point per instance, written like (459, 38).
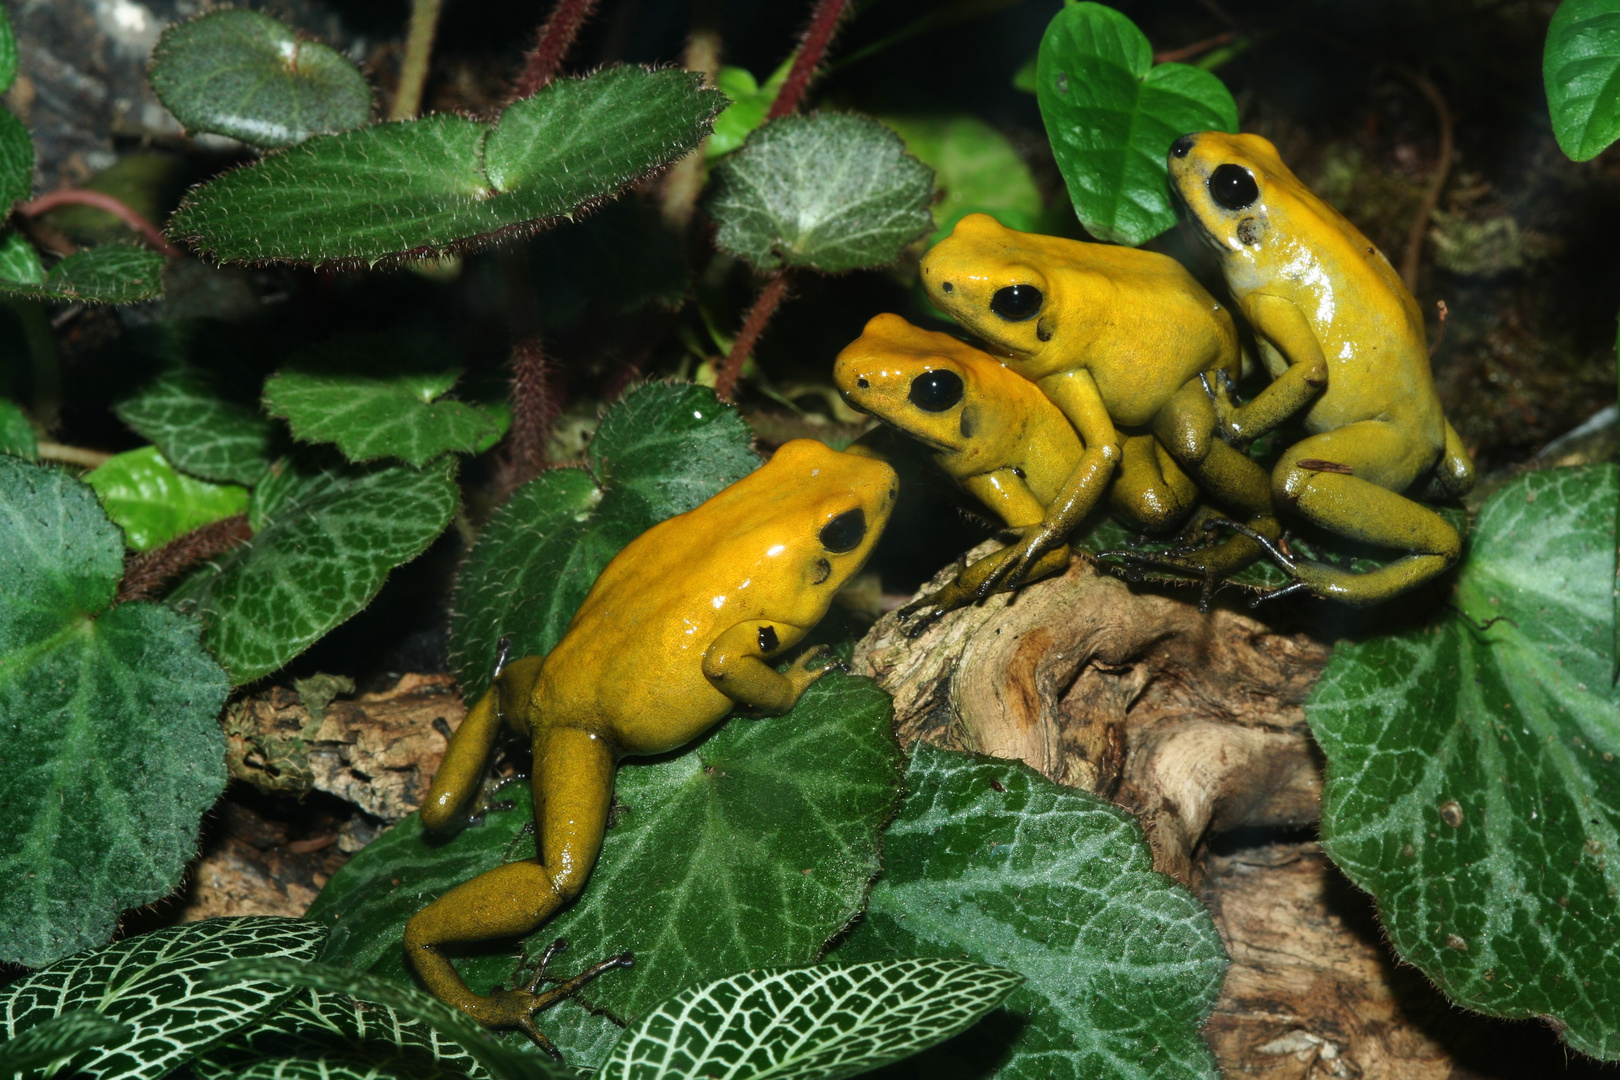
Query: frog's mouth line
(932, 444)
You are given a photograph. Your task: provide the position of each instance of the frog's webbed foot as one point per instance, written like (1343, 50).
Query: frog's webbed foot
(1209, 562)
(516, 1008)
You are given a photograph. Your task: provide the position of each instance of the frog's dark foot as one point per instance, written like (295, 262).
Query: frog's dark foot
(517, 1008)
(919, 615)
(1278, 594)
(1137, 563)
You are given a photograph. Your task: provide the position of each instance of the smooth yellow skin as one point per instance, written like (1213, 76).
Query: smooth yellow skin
(1002, 441)
(680, 628)
(1118, 334)
(1345, 345)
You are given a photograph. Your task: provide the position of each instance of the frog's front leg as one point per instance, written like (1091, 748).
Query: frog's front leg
(735, 664)
(1285, 328)
(573, 791)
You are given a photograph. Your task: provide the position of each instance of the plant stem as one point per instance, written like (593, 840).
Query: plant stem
(556, 38)
(73, 455)
(725, 380)
(1413, 257)
(101, 201)
(532, 412)
(147, 573)
(413, 72)
(812, 47)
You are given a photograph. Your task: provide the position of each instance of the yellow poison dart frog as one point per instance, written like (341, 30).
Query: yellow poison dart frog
(1345, 345)
(680, 627)
(994, 433)
(1111, 335)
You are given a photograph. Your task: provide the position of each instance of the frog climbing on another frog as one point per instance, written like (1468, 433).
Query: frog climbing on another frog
(1112, 336)
(995, 434)
(681, 627)
(1344, 342)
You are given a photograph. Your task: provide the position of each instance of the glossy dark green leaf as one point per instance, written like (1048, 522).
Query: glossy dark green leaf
(156, 985)
(16, 433)
(108, 725)
(243, 74)
(325, 537)
(419, 187)
(976, 171)
(1472, 785)
(750, 849)
(59, 1038)
(1112, 114)
(1581, 69)
(662, 450)
(829, 191)
(989, 861)
(153, 503)
(109, 274)
(16, 157)
(19, 261)
(200, 426)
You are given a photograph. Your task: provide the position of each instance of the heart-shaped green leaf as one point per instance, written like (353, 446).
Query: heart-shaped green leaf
(153, 504)
(829, 191)
(660, 451)
(16, 433)
(109, 274)
(108, 725)
(419, 187)
(156, 984)
(59, 1038)
(200, 426)
(992, 862)
(1581, 69)
(816, 1023)
(243, 74)
(750, 849)
(1112, 114)
(1472, 785)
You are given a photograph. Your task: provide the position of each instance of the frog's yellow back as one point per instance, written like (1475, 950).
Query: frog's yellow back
(1136, 320)
(775, 546)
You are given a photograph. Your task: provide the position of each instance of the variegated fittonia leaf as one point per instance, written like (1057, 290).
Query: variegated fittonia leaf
(322, 1034)
(483, 1047)
(815, 1023)
(60, 1038)
(990, 861)
(155, 984)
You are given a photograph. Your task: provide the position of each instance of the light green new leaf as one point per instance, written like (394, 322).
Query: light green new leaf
(1472, 785)
(201, 428)
(325, 537)
(109, 274)
(662, 450)
(992, 862)
(59, 1038)
(19, 261)
(243, 74)
(420, 187)
(1581, 69)
(816, 1023)
(1112, 114)
(829, 191)
(748, 850)
(477, 1041)
(8, 52)
(108, 725)
(157, 985)
(16, 433)
(16, 160)
(749, 103)
(377, 396)
(975, 168)
(153, 504)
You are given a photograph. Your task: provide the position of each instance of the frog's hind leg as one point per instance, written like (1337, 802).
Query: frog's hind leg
(1150, 493)
(573, 792)
(1348, 481)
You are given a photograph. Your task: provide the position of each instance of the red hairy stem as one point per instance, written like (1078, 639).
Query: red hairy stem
(556, 38)
(146, 573)
(812, 47)
(101, 201)
(725, 380)
(533, 408)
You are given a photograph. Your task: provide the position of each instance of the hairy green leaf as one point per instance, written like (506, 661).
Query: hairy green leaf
(325, 537)
(420, 187)
(829, 191)
(158, 985)
(201, 427)
(751, 849)
(153, 504)
(16, 158)
(817, 1023)
(16, 433)
(19, 261)
(976, 170)
(243, 74)
(377, 396)
(107, 725)
(1472, 785)
(662, 450)
(408, 1002)
(59, 1038)
(990, 861)
(8, 53)
(1112, 114)
(109, 274)
(1581, 69)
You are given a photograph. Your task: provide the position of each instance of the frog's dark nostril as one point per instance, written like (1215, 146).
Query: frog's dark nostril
(1183, 146)
(947, 286)
(862, 383)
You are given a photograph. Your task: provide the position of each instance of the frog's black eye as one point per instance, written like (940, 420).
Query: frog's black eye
(936, 391)
(1233, 187)
(844, 532)
(1016, 303)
